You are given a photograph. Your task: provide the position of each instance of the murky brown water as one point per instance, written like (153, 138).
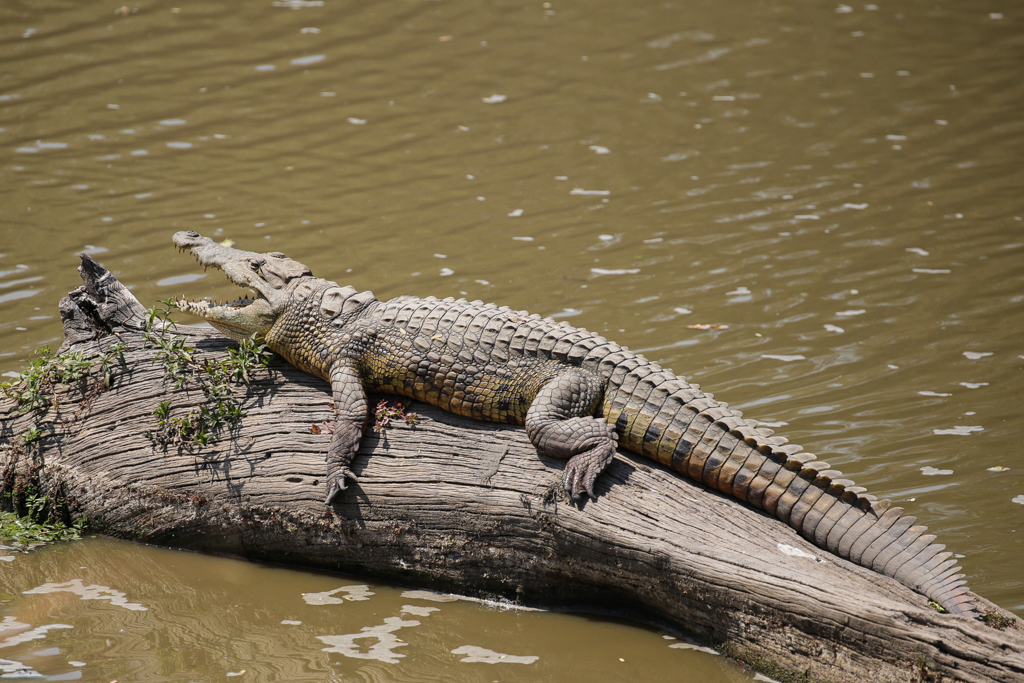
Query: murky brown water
(840, 185)
(103, 609)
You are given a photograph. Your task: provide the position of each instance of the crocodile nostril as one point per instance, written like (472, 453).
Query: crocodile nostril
(192, 233)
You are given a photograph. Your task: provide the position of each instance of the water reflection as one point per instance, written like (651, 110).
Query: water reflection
(102, 609)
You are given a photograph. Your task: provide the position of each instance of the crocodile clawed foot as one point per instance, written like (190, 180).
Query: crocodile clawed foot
(336, 483)
(583, 469)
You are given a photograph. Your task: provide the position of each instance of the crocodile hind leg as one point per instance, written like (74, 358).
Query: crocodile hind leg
(560, 423)
(352, 411)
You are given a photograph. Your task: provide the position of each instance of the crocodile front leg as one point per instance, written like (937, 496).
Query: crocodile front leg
(560, 423)
(352, 411)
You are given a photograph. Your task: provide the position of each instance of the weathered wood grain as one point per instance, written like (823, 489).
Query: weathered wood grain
(457, 504)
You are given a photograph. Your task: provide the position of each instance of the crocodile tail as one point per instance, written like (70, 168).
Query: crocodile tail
(665, 418)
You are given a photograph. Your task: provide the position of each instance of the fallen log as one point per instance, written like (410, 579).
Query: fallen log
(116, 434)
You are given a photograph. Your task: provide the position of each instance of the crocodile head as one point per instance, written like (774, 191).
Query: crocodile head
(273, 277)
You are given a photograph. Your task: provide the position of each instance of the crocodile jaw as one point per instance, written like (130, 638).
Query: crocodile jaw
(272, 276)
(239, 319)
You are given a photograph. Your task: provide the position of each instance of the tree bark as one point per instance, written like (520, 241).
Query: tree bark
(456, 504)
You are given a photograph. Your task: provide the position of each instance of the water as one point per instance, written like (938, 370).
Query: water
(834, 192)
(101, 610)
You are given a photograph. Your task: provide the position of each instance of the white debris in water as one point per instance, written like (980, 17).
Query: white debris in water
(974, 385)
(932, 271)
(796, 552)
(297, 4)
(308, 59)
(932, 393)
(932, 471)
(173, 122)
(419, 610)
(774, 424)
(37, 633)
(91, 592)
(857, 207)
(180, 279)
(1018, 499)
(680, 156)
(179, 145)
(73, 662)
(851, 313)
(445, 272)
(618, 271)
(917, 250)
(12, 624)
(807, 217)
(12, 669)
(430, 595)
(354, 594)
(8, 558)
(975, 355)
(682, 310)
(580, 191)
(494, 99)
(40, 146)
(693, 646)
(516, 214)
(485, 656)
(959, 430)
(997, 468)
(783, 357)
(265, 67)
(382, 650)
(309, 29)
(739, 291)
(762, 677)
(598, 149)
(290, 622)
(567, 313)
(834, 328)
(356, 122)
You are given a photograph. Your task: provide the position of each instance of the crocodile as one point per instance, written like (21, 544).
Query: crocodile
(579, 396)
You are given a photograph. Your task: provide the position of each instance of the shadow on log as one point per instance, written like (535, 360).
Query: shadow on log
(468, 506)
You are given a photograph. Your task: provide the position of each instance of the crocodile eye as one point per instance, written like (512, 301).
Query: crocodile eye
(256, 263)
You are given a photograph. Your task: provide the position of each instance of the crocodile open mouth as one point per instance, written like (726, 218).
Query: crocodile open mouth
(201, 307)
(265, 278)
